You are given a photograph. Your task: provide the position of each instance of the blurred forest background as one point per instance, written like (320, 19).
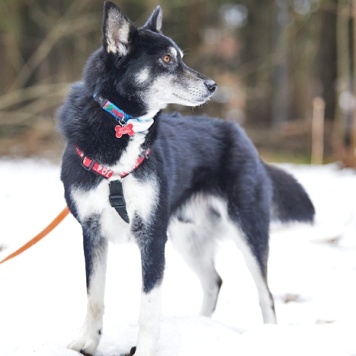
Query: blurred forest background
(282, 66)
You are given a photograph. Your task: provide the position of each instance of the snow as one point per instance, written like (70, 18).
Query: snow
(312, 273)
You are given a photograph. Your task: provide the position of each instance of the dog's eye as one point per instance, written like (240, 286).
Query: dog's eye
(167, 58)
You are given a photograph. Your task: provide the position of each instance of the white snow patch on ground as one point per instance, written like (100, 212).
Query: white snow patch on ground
(312, 273)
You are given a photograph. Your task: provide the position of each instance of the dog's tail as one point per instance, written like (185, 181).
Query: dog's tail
(290, 201)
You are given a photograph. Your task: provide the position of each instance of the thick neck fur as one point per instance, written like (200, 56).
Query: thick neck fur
(111, 77)
(86, 125)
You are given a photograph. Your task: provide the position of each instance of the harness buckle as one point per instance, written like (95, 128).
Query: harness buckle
(117, 201)
(89, 166)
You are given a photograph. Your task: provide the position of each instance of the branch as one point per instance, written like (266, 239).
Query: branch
(66, 25)
(37, 91)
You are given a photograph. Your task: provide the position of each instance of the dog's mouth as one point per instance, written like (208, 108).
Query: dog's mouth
(192, 101)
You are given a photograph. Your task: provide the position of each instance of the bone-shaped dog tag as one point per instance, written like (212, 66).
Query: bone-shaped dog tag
(124, 130)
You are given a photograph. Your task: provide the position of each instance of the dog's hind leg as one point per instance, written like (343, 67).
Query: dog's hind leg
(258, 270)
(251, 234)
(197, 247)
(95, 252)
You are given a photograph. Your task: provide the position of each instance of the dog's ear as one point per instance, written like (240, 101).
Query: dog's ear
(154, 23)
(117, 30)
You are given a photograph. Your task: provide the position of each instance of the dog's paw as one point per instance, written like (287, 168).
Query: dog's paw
(85, 344)
(132, 352)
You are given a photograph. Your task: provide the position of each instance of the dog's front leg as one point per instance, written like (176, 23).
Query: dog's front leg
(152, 248)
(149, 322)
(95, 252)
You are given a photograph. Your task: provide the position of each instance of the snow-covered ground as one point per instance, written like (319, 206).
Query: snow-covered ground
(312, 272)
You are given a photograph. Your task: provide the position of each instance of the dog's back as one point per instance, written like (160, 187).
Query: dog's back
(223, 158)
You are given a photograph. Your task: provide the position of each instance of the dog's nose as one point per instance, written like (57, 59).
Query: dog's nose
(211, 85)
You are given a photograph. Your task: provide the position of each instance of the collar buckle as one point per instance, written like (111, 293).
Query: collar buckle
(99, 99)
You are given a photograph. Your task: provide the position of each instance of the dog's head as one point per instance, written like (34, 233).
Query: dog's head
(142, 70)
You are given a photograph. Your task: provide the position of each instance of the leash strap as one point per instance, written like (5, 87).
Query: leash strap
(117, 199)
(39, 236)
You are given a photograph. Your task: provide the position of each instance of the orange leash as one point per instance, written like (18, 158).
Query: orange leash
(39, 236)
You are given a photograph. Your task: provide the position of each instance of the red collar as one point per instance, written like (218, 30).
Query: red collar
(91, 165)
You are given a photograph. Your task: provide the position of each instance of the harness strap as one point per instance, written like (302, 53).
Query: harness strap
(91, 165)
(117, 199)
(116, 196)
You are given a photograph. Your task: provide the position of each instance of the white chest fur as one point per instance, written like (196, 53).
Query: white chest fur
(141, 200)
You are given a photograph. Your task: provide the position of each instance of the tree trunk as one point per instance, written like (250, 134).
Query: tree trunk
(353, 126)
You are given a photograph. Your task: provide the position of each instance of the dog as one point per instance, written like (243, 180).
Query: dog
(130, 171)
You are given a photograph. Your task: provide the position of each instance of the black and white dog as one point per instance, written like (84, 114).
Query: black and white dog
(129, 170)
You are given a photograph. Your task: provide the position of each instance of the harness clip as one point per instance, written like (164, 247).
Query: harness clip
(117, 199)
(85, 164)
